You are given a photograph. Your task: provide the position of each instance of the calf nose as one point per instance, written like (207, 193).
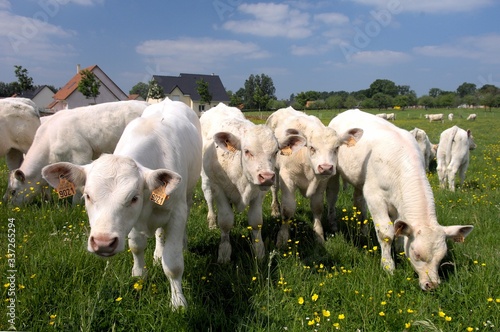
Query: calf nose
(325, 169)
(430, 285)
(103, 245)
(266, 178)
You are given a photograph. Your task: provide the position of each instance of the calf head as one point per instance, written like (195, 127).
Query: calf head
(257, 148)
(426, 246)
(470, 139)
(22, 188)
(322, 148)
(115, 189)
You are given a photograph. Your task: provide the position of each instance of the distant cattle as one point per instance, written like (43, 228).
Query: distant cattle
(435, 117)
(382, 115)
(146, 185)
(391, 116)
(472, 117)
(387, 172)
(309, 169)
(238, 168)
(76, 135)
(450, 116)
(425, 146)
(453, 155)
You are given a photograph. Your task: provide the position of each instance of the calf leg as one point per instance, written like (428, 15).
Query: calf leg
(137, 243)
(275, 206)
(317, 205)
(159, 245)
(172, 257)
(255, 221)
(207, 192)
(288, 207)
(332, 194)
(225, 217)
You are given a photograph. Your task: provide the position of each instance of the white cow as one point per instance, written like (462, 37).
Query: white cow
(387, 169)
(450, 116)
(453, 155)
(435, 117)
(391, 116)
(19, 120)
(424, 145)
(309, 169)
(472, 117)
(77, 135)
(382, 115)
(238, 168)
(157, 158)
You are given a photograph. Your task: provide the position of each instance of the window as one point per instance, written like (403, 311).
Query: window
(201, 108)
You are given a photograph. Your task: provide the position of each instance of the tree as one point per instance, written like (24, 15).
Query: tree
(303, 97)
(466, 89)
(7, 89)
(155, 91)
(426, 101)
(89, 84)
(385, 87)
(236, 99)
(382, 100)
(258, 91)
(141, 89)
(435, 92)
(203, 91)
(24, 82)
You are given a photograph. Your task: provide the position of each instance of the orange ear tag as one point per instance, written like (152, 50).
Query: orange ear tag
(286, 151)
(158, 195)
(351, 142)
(65, 188)
(230, 147)
(459, 238)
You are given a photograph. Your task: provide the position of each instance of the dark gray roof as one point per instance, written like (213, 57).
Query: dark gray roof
(187, 84)
(30, 94)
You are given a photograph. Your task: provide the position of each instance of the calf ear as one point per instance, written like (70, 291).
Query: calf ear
(227, 141)
(401, 228)
(19, 175)
(351, 137)
(162, 178)
(458, 233)
(73, 173)
(291, 143)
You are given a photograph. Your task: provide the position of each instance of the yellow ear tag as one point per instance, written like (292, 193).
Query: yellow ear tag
(230, 147)
(158, 195)
(65, 188)
(286, 151)
(459, 238)
(351, 142)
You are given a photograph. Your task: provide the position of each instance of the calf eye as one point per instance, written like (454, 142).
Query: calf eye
(248, 153)
(312, 149)
(87, 197)
(134, 199)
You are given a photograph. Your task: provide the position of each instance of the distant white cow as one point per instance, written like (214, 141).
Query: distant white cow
(425, 146)
(309, 169)
(386, 168)
(382, 115)
(472, 117)
(77, 135)
(453, 155)
(238, 168)
(145, 185)
(435, 117)
(450, 116)
(391, 116)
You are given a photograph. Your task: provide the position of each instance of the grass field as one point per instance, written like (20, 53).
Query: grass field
(53, 284)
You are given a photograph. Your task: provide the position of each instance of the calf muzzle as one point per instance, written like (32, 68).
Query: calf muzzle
(103, 245)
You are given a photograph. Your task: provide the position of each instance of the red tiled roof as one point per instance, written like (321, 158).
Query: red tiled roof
(71, 86)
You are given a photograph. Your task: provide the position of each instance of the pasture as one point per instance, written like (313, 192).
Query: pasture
(51, 283)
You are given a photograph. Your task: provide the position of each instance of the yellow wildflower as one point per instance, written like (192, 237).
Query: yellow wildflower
(341, 316)
(326, 313)
(314, 297)
(301, 300)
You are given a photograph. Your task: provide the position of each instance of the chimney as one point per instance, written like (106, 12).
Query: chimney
(78, 68)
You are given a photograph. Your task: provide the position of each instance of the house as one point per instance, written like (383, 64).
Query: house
(184, 88)
(69, 96)
(42, 96)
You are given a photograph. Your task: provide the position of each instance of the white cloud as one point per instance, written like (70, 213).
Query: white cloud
(428, 6)
(484, 49)
(379, 58)
(4, 4)
(271, 20)
(334, 19)
(197, 54)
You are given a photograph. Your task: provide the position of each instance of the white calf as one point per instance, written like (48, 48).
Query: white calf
(238, 168)
(146, 185)
(77, 135)
(391, 116)
(435, 117)
(309, 169)
(472, 117)
(450, 116)
(382, 115)
(387, 169)
(453, 155)
(425, 146)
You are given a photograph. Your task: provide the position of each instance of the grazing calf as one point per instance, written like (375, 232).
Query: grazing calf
(309, 169)
(472, 117)
(19, 120)
(435, 117)
(145, 185)
(450, 116)
(382, 115)
(238, 168)
(391, 116)
(424, 145)
(386, 168)
(77, 135)
(453, 155)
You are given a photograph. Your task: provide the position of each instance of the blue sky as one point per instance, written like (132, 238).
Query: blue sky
(302, 45)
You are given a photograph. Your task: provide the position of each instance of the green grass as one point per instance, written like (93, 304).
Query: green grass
(59, 286)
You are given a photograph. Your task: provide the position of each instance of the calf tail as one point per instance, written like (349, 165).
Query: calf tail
(449, 145)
